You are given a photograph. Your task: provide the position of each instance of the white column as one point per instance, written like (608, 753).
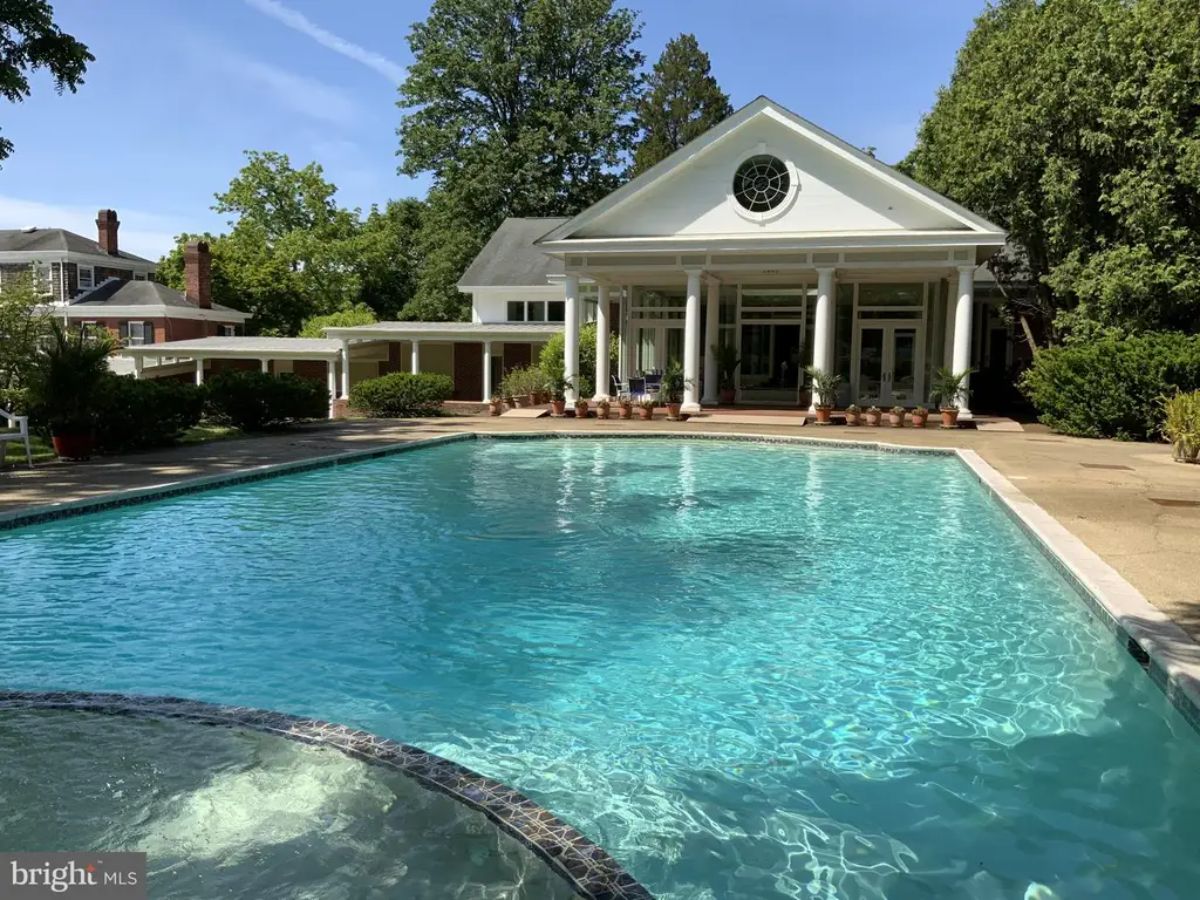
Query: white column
(345, 368)
(199, 371)
(712, 336)
(602, 361)
(691, 343)
(963, 309)
(331, 382)
(266, 366)
(571, 334)
(948, 326)
(822, 353)
(137, 368)
(487, 371)
(623, 336)
(414, 363)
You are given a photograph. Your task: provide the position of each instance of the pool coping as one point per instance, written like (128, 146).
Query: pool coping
(1169, 655)
(586, 867)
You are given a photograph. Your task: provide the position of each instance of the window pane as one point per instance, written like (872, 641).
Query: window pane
(86, 277)
(537, 311)
(148, 333)
(556, 311)
(516, 310)
(891, 294)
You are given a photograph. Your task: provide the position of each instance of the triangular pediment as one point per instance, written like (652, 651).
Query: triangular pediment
(834, 188)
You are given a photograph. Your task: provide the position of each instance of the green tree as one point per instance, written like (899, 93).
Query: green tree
(518, 108)
(683, 101)
(24, 326)
(386, 256)
(1074, 124)
(29, 40)
(358, 314)
(553, 357)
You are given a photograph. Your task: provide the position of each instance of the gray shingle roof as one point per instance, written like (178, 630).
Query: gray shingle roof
(18, 240)
(140, 293)
(509, 256)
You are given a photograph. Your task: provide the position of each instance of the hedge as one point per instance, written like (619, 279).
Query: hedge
(256, 401)
(135, 415)
(402, 395)
(1112, 387)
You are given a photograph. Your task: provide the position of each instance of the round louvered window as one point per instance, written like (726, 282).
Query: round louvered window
(761, 183)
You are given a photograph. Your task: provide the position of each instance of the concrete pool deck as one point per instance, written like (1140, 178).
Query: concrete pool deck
(1129, 503)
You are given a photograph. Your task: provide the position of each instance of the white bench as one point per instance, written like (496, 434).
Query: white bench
(17, 430)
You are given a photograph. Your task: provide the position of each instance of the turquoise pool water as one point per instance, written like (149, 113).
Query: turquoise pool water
(748, 671)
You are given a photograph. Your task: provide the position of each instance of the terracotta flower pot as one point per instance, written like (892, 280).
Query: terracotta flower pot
(626, 412)
(853, 418)
(949, 417)
(74, 444)
(602, 410)
(495, 407)
(872, 418)
(645, 413)
(581, 410)
(728, 396)
(558, 408)
(896, 420)
(919, 419)
(823, 414)
(518, 402)
(673, 411)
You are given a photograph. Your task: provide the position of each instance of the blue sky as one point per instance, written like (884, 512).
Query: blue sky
(179, 89)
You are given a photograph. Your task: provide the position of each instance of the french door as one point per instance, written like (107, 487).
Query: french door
(657, 344)
(890, 364)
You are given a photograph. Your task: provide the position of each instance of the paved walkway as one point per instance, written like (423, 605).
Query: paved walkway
(1128, 502)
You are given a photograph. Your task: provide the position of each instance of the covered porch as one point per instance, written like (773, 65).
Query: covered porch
(884, 320)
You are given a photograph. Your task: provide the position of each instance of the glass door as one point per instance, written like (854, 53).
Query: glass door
(890, 364)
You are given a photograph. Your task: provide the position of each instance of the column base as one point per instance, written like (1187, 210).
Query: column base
(964, 414)
(690, 408)
(709, 401)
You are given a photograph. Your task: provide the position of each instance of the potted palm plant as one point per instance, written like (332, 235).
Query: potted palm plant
(646, 407)
(673, 386)
(625, 405)
(63, 388)
(824, 387)
(920, 416)
(949, 390)
(873, 415)
(853, 414)
(727, 365)
(581, 408)
(896, 417)
(603, 407)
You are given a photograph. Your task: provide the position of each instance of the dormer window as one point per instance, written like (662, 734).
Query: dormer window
(87, 277)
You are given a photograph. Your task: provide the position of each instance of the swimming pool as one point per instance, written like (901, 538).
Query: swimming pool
(745, 670)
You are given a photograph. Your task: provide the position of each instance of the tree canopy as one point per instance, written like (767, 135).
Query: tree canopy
(1075, 125)
(293, 253)
(518, 108)
(30, 40)
(682, 102)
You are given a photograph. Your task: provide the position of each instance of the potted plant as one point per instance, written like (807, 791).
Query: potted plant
(646, 408)
(625, 405)
(1181, 426)
(581, 408)
(63, 387)
(496, 405)
(603, 406)
(853, 414)
(896, 416)
(727, 360)
(557, 387)
(873, 415)
(824, 387)
(920, 416)
(673, 386)
(949, 390)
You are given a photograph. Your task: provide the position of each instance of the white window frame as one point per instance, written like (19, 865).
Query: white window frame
(91, 270)
(141, 340)
(225, 330)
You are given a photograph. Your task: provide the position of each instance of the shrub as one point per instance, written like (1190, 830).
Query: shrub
(255, 401)
(1181, 425)
(134, 415)
(553, 355)
(402, 395)
(1112, 386)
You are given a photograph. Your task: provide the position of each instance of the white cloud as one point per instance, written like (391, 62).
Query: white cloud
(146, 234)
(392, 71)
(301, 94)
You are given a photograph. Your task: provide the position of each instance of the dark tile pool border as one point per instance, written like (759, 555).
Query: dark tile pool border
(587, 868)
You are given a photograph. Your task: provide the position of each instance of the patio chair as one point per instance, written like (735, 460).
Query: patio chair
(16, 430)
(653, 384)
(637, 388)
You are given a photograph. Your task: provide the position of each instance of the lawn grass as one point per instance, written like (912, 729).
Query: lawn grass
(43, 452)
(204, 432)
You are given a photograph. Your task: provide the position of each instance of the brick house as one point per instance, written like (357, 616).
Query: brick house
(95, 283)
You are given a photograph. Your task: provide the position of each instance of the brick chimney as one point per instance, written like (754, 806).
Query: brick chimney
(197, 273)
(106, 230)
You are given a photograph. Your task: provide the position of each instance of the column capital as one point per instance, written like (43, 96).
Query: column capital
(826, 270)
(970, 267)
